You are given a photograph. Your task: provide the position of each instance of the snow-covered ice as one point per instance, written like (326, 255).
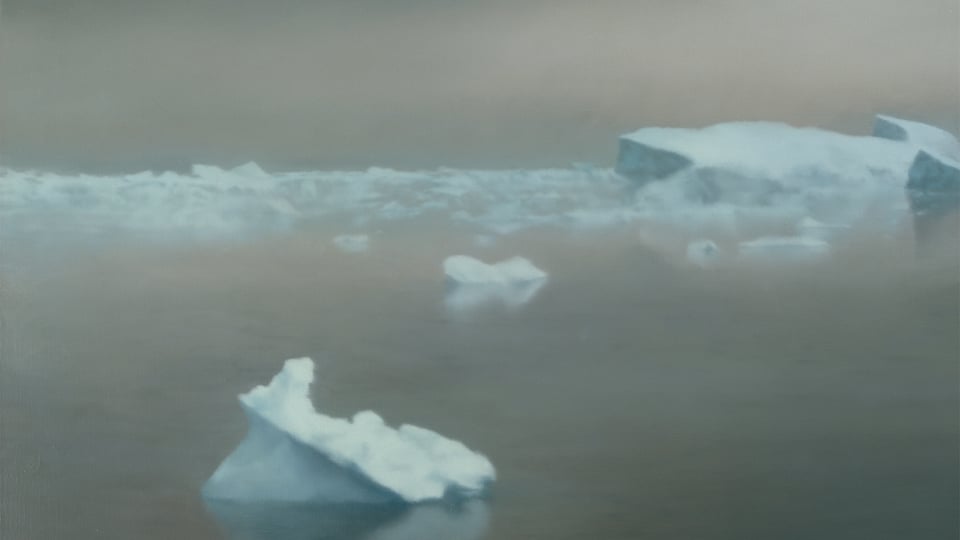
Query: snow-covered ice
(292, 453)
(929, 138)
(740, 169)
(352, 243)
(761, 155)
(798, 172)
(472, 283)
(465, 270)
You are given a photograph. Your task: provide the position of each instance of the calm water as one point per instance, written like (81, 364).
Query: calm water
(631, 398)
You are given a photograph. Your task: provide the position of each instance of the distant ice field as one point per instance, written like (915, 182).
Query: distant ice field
(212, 202)
(768, 178)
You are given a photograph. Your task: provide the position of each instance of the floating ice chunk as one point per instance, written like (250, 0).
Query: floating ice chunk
(746, 166)
(788, 247)
(472, 283)
(702, 252)
(926, 137)
(465, 270)
(292, 453)
(352, 243)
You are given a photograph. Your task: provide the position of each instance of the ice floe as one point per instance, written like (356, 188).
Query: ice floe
(472, 283)
(292, 453)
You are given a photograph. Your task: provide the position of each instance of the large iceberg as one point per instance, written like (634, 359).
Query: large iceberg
(292, 453)
(752, 171)
(753, 161)
(934, 192)
(934, 183)
(933, 180)
(927, 137)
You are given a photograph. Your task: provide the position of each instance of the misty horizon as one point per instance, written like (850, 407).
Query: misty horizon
(511, 321)
(112, 86)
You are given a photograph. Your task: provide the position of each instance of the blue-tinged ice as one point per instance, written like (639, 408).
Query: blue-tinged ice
(292, 453)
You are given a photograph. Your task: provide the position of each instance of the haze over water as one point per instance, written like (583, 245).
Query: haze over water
(127, 85)
(635, 395)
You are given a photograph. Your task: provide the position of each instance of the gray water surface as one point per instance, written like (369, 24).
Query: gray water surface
(633, 397)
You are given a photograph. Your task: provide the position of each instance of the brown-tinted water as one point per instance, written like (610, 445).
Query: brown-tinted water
(633, 397)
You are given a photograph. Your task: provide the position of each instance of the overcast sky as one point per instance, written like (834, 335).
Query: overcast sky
(127, 85)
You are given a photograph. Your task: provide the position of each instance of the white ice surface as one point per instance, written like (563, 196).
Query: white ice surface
(293, 453)
(465, 270)
(472, 283)
(736, 172)
(930, 138)
(780, 151)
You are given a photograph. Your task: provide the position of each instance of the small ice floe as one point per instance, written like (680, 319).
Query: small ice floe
(353, 243)
(785, 248)
(702, 253)
(465, 270)
(294, 454)
(471, 282)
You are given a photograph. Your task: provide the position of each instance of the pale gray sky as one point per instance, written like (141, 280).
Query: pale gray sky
(113, 85)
